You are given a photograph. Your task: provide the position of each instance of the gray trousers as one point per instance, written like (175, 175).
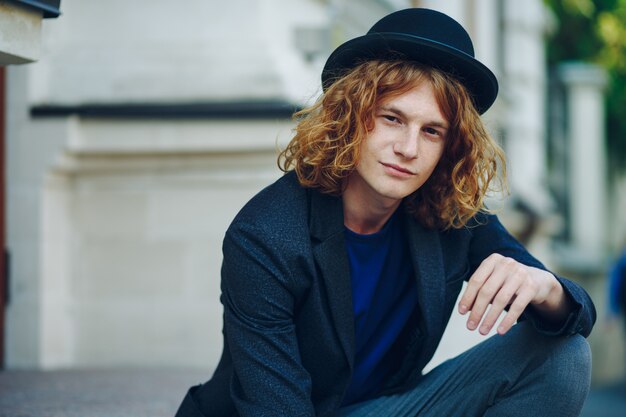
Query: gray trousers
(522, 373)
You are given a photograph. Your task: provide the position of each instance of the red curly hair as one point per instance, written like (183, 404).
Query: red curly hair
(326, 147)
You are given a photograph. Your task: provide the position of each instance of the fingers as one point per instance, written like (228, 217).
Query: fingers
(475, 283)
(504, 297)
(515, 311)
(487, 294)
(498, 282)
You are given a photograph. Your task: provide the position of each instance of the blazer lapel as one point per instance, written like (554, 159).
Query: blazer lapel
(427, 257)
(327, 231)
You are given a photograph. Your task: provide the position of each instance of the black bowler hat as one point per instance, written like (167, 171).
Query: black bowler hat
(421, 35)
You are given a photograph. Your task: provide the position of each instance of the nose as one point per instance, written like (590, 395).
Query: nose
(407, 145)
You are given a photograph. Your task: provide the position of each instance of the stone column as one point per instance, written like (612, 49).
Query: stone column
(486, 34)
(584, 84)
(523, 91)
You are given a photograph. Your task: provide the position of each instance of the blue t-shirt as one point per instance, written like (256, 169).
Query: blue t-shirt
(384, 296)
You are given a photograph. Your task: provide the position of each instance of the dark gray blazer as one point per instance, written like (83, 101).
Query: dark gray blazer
(288, 320)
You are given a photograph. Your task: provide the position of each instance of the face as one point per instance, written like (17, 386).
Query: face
(401, 151)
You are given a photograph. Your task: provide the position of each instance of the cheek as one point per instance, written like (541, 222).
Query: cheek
(369, 151)
(435, 153)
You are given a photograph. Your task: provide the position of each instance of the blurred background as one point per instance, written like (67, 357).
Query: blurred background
(133, 131)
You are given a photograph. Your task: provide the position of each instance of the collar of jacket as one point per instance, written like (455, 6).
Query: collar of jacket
(327, 231)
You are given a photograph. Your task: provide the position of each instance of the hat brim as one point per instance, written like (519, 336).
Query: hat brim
(476, 77)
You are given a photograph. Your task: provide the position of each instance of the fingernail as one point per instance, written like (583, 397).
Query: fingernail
(501, 329)
(484, 330)
(471, 325)
(463, 309)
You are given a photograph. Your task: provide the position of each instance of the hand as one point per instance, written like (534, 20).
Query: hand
(502, 282)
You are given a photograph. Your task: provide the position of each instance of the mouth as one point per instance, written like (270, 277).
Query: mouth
(398, 169)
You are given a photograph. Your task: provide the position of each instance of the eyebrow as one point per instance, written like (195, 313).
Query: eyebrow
(435, 123)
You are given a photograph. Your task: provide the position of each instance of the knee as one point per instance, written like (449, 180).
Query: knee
(551, 372)
(573, 348)
(572, 355)
(569, 367)
(565, 361)
(564, 350)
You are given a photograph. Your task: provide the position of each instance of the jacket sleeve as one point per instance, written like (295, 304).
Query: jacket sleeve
(489, 236)
(259, 298)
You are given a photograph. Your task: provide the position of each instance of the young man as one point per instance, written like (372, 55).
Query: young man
(339, 279)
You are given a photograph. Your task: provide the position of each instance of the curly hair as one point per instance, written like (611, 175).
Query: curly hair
(325, 149)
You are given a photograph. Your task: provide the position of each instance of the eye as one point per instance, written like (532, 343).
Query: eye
(390, 118)
(433, 132)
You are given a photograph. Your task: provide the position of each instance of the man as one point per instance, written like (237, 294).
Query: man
(339, 279)
(616, 296)
(616, 304)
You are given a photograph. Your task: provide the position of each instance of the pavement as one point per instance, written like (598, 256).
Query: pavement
(157, 393)
(95, 393)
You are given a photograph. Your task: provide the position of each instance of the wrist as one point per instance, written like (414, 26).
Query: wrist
(556, 305)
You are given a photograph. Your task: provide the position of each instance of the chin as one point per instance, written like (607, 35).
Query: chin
(397, 195)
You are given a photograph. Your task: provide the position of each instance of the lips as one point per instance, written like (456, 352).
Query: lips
(398, 168)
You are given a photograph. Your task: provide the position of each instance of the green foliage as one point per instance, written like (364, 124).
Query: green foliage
(595, 31)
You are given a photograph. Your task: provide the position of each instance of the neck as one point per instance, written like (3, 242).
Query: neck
(366, 217)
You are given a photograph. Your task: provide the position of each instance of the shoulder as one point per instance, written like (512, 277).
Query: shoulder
(276, 217)
(482, 236)
(486, 225)
(282, 202)
(267, 242)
